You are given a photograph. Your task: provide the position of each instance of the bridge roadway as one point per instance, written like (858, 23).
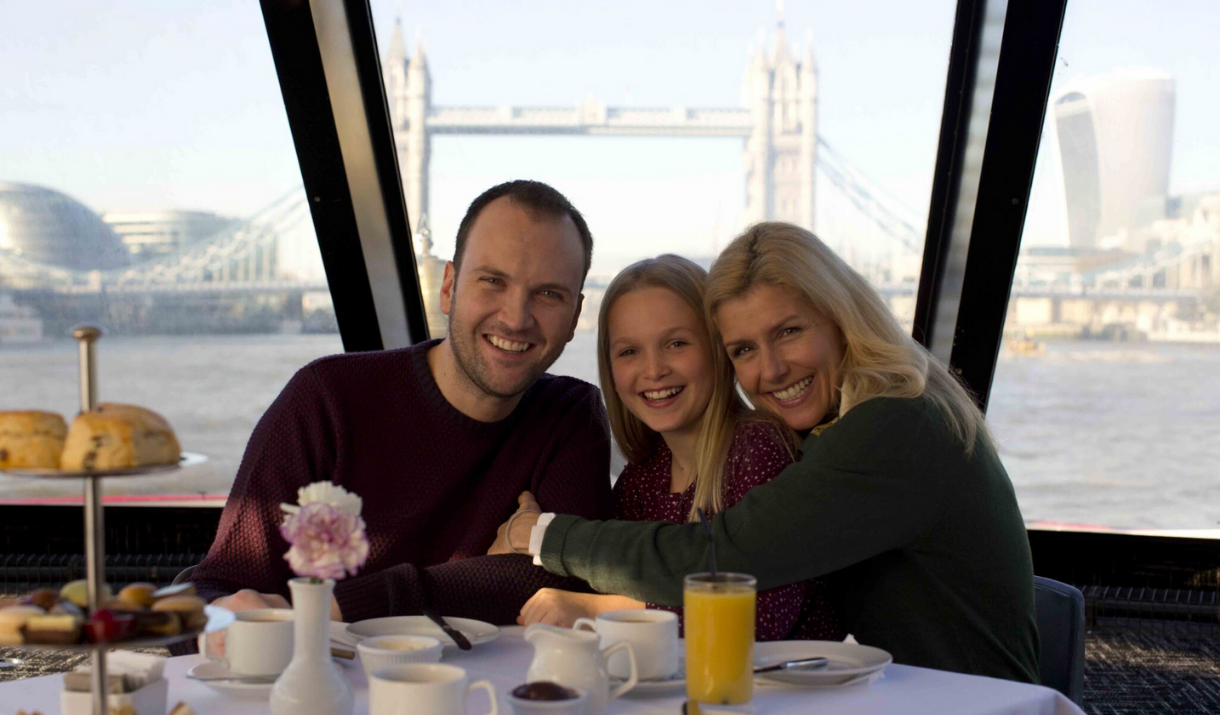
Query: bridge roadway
(592, 118)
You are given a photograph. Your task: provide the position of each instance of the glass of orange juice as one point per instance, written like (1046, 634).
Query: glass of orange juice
(719, 616)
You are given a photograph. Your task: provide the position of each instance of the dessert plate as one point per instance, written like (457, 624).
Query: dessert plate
(478, 632)
(849, 662)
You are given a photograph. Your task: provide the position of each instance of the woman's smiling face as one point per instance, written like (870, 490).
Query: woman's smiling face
(660, 358)
(786, 354)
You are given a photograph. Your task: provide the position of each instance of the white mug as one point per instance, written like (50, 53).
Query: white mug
(653, 635)
(423, 689)
(259, 642)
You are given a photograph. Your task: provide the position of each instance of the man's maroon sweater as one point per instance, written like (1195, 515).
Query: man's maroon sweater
(436, 484)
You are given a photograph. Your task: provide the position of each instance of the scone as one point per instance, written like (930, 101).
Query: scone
(118, 436)
(31, 439)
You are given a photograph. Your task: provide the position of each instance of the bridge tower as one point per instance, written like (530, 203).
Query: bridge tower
(409, 90)
(781, 151)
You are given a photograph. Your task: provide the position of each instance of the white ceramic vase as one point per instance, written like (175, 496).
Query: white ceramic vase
(311, 684)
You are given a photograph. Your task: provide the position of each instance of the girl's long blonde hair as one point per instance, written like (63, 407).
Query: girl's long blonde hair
(725, 408)
(880, 359)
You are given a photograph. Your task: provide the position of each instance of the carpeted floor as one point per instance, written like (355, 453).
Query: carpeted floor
(1151, 667)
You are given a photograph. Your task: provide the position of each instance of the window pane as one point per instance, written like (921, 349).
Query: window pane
(149, 184)
(1105, 398)
(646, 125)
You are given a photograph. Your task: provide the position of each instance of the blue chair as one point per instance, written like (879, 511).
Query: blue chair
(1060, 613)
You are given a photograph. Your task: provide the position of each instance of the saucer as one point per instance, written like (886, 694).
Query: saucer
(660, 686)
(850, 663)
(477, 632)
(232, 688)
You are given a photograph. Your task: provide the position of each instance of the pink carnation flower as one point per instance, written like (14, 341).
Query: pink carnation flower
(327, 542)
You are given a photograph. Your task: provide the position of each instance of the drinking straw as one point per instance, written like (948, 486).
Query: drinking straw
(707, 529)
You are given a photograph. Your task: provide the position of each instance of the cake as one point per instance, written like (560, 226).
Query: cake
(117, 436)
(11, 621)
(31, 439)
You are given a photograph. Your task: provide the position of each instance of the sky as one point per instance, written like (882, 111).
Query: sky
(156, 105)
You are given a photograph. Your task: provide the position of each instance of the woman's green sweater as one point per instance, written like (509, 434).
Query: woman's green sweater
(924, 546)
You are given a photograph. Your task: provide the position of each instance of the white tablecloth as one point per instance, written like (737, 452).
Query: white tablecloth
(902, 689)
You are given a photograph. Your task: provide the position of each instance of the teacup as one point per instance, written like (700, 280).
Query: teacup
(423, 689)
(653, 635)
(570, 706)
(257, 643)
(383, 651)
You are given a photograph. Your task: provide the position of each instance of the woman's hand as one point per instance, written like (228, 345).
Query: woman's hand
(529, 512)
(562, 608)
(244, 600)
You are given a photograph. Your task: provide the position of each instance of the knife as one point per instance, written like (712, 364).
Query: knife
(461, 640)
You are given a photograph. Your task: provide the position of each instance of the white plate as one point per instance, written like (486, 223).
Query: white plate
(232, 688)
(849, 662)
(477, 632)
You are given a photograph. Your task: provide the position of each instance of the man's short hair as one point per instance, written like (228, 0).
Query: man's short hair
(537, 198)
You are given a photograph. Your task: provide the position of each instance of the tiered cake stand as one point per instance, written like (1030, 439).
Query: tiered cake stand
(95, 530)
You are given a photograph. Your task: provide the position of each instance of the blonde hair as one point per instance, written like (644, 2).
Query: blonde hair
(880, 359)
(725, 408)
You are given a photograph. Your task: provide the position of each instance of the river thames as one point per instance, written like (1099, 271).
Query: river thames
(1119, 435)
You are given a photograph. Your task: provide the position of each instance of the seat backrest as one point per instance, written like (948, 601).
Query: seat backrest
(1060, 610)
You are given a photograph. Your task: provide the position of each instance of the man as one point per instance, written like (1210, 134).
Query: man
(439, 438)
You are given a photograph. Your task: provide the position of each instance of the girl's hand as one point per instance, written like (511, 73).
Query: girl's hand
(562, 608)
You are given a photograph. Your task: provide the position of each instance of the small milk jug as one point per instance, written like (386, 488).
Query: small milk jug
(573, 659)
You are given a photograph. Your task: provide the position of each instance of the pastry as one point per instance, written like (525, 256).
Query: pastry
(157, 623)
(50, 629)
(44, 598)
(31, 439)
(107, 626)
(11, 621)
(188, 608)
(140, 594)
(77, 593)
(118, 436)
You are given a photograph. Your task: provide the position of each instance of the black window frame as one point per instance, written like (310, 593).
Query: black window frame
(968, 281)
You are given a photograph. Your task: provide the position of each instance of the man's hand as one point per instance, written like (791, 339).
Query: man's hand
(562, 608)
(244, 600)
(522, 525)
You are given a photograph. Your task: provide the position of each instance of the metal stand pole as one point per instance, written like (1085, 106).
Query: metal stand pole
(95, 527)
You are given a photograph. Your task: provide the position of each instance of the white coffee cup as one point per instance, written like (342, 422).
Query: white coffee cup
(653, 635)
(259, 642)
(423, 689)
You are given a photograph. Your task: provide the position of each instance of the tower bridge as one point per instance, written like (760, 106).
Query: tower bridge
(778, 124)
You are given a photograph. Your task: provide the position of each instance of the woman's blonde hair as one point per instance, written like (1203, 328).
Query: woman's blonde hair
(725, 408)
(880, 359)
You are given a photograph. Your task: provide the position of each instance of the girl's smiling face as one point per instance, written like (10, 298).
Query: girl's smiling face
(660, 358)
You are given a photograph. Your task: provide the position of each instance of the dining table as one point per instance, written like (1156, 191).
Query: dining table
(901, 689)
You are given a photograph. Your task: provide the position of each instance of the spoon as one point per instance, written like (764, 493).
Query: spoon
(801, 664)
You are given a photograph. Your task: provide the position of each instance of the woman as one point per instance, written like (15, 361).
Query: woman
(899, 494)
(690, 442)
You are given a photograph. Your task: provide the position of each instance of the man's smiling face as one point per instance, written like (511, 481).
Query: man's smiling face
(514, 304)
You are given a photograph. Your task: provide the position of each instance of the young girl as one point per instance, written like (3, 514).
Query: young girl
(689, 440)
